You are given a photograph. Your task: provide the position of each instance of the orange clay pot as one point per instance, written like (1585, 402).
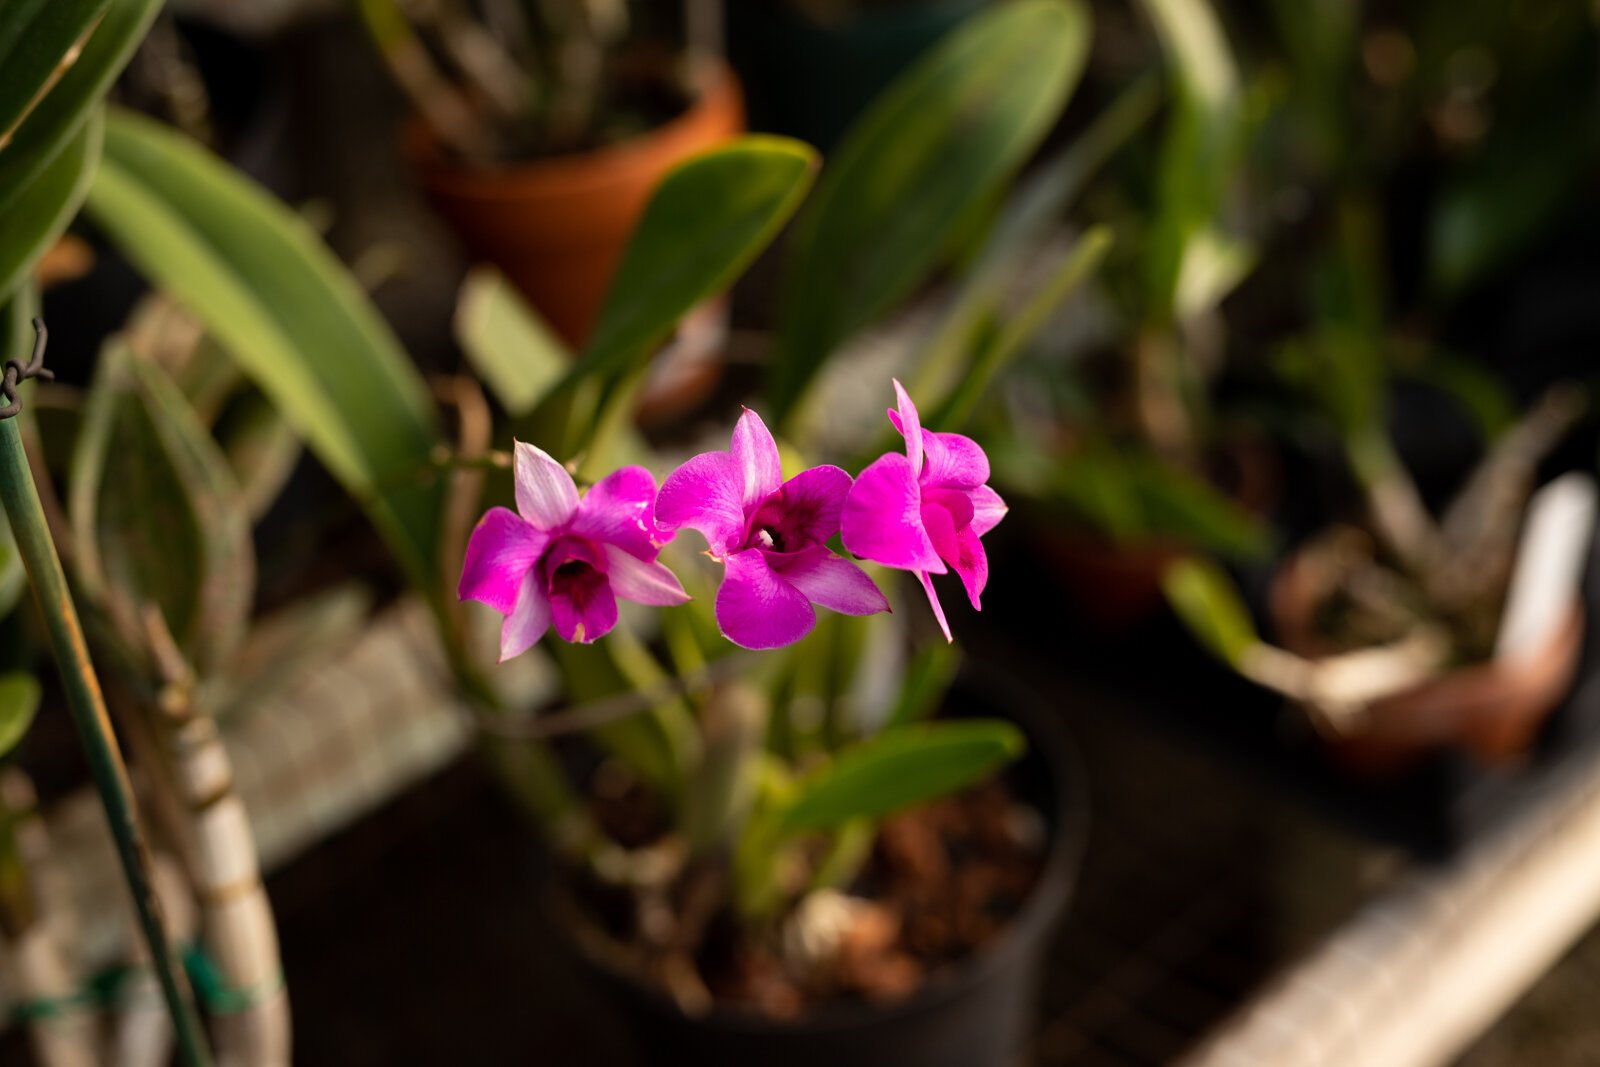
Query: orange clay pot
(1493, 709)
(557, 227)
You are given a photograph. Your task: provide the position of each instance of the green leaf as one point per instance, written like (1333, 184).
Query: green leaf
(62, 113)
(272, 293)
(39, 41)
(156, 516)
(34, 219)
(898, 769)
(515, 353)
(1200, 148)
(927, 679)
(705, 222)
(940, 141)
(1205, 599)
(19, 703)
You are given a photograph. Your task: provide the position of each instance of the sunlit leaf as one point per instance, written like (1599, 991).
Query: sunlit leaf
(939, 142)
(516, 354)
(1205, 598)
(278, 300)
(33, 220)
(19, 702)
(62, 112)
(898, 769)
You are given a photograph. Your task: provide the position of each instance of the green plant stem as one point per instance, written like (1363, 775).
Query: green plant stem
(21, 499)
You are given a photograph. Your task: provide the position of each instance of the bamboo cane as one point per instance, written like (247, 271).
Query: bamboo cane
(86, 704)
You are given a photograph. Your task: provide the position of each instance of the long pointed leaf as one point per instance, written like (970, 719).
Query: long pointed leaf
(33, 221)
(39, 39)
(939, 141)
(64, 110)
(898, 769)
(704, 224)
(281, 303)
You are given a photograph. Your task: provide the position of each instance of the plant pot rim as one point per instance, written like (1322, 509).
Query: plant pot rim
(717, 102)
(1068, 818)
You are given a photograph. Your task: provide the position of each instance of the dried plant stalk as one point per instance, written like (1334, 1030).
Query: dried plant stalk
(252, 1028)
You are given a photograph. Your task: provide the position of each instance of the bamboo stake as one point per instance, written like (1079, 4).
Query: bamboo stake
(87, 706)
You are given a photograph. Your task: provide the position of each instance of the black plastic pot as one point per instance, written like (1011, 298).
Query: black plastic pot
(810, 80)
(980, 1013)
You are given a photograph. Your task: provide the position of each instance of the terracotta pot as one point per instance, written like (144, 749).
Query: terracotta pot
(557, 227)
(1492, 709)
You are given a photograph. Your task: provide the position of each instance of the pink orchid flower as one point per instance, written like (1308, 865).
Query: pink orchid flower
(563, 561)
(926, 509)
(771, 535)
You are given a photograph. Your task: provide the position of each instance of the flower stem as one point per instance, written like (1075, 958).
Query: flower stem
(87, 705)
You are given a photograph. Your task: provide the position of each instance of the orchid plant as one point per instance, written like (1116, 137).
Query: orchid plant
(556, 567)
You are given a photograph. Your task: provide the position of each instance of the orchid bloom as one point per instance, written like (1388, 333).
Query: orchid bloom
(771, 535)
(562, 561)
(925, 511)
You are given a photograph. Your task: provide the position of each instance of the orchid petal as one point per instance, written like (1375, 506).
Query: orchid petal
(951, 533)
(987, 509)
(756, 454)
(933, 600)
(834, 583)
(705, 495)
(882, 517)
(908, 423)
(953, 461)
(546, 495)
(805, 511)
(528, 621)
(642, 581)
(499, 553)
(972, 564)
(620, 510)
(756, 608)
(584, 610)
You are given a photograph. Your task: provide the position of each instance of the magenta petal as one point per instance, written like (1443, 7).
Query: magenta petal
(987, 509)
(953, 460)
(910, 424)
(882, 517)
(583, 610)
(641, 581)
(756, 454)
(958, 545)
(705, 494)
(499, 553)
(620, 510)
(834, 583)
(957, 502)
(972, 564)
(941, 528)
(528, 620)
(805, 511)
(756, 608)
(546, 495)
(933, 601)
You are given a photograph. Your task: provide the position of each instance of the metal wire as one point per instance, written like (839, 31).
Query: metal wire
(18, 372)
